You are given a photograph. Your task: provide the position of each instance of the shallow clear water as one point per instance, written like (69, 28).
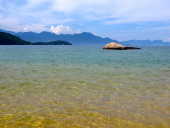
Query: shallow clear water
(84, 86)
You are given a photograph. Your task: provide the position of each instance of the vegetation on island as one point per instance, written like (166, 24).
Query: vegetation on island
(9, 39)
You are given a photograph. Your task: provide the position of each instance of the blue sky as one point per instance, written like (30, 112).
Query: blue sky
(118, 19)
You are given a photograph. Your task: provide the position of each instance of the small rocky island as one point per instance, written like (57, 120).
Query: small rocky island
(117, 46)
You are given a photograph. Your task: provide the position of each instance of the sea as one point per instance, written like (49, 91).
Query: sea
(84, 86)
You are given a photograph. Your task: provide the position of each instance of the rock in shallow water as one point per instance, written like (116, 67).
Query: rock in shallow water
(117, 46)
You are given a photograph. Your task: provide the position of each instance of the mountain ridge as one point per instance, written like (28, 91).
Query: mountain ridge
(78, 38)
(82, 38)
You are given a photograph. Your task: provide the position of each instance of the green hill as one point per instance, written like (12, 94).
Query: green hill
(8, 39)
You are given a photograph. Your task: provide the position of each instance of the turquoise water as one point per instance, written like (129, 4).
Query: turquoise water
(68, 86)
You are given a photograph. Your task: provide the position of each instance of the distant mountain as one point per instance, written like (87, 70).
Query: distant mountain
(37, 37)
(145, 43)
(81, 38)
(9, 39)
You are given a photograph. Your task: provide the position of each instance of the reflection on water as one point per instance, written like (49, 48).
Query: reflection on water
(75, 87)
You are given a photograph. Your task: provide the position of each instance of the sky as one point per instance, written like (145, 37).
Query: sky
(117, 19)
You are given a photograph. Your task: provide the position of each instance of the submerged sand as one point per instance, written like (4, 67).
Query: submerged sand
(44, 87)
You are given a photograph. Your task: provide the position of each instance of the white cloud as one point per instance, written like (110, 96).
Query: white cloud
(61, 29)
(119, 10)
(34, 28)
(124, 10)
(167, 39)
(142, 11)
(35, 15)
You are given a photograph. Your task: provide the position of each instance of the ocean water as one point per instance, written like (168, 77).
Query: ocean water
(84, 87)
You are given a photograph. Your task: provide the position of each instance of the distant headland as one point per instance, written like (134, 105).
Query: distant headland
(9, 39)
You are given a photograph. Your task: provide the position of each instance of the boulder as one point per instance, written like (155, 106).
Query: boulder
(117, 46)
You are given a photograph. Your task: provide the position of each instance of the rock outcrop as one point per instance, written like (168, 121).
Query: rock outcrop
(117, 46)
